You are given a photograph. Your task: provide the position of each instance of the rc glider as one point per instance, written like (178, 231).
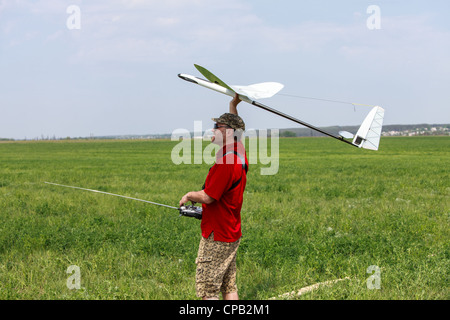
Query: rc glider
(367, 137)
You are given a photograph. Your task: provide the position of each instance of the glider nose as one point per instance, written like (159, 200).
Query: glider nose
(186, 77)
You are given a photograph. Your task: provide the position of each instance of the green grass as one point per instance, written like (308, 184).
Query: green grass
(330, 212)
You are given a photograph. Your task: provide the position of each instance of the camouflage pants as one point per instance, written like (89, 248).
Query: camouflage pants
(216, 267)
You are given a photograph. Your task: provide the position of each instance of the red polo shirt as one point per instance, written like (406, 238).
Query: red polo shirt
(223, 216)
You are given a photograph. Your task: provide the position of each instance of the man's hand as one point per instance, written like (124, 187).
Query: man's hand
(184, 199)
(234, 103)
(196, 196)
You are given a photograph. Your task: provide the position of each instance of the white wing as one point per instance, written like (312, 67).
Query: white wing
(259, 90)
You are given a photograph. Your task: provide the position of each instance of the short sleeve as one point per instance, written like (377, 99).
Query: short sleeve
(219, 180)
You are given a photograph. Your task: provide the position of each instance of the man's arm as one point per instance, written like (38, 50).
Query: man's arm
(196, 196)
(234, 103)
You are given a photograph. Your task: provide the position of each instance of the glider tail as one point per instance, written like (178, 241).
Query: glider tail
(368, 135)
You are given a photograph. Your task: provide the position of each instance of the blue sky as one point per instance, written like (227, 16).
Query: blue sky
(117, 74)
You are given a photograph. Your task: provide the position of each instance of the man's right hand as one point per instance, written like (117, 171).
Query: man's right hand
(234, 103)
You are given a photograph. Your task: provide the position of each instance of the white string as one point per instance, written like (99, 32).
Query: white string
(354, 104)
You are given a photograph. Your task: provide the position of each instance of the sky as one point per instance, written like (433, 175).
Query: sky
(111, 67)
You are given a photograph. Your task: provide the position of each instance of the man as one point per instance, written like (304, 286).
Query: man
(221, 199)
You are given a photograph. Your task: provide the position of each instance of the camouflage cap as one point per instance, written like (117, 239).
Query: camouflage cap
(231, 120)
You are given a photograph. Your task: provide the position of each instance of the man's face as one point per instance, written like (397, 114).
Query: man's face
(222, 133)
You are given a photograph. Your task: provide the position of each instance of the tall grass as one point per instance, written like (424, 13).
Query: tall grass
(329, 213)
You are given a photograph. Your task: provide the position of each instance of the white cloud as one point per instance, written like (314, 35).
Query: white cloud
(159, 28)
(164, 29)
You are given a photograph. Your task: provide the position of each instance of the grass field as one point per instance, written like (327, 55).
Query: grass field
(330, 212)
